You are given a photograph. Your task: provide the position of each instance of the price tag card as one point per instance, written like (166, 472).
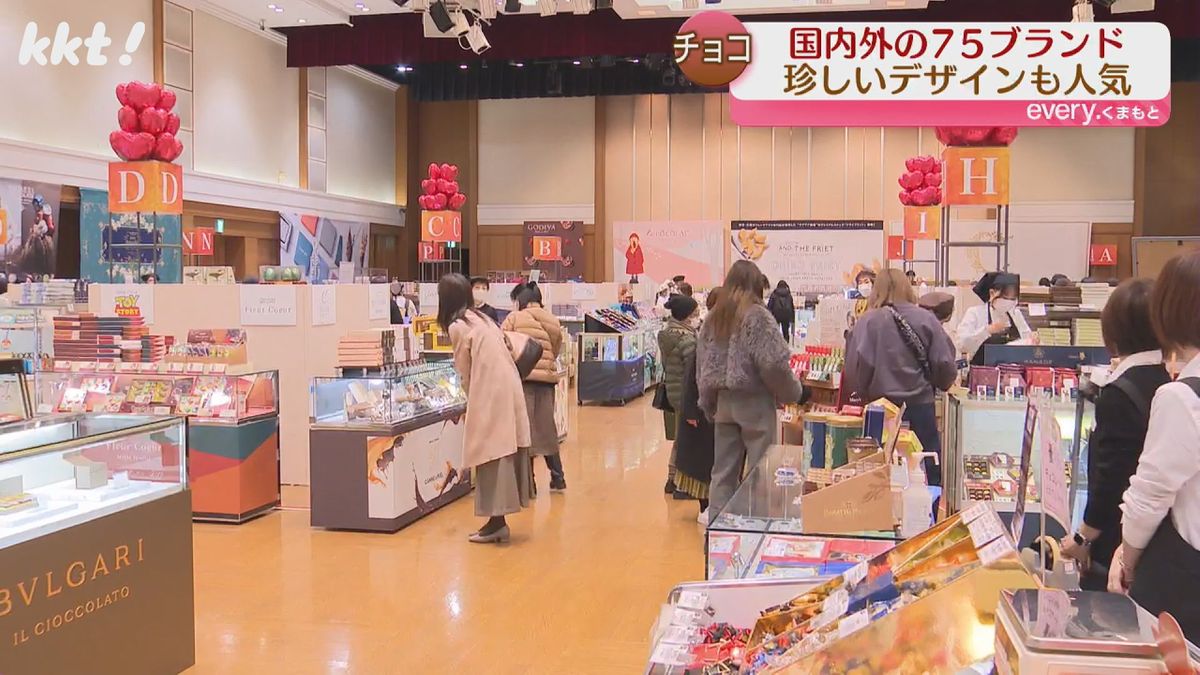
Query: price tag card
(681, 616)
(1037, 309)
(44, 409)
(680, 635)
(76, 366)
(856, 574)
(670, 654)
(853, 623)
(692, 600)
(175, 367)
(994, 551)
(147, 368)
(985, 529)
(62, 365)
(228, 414)
(106, 367)
(974, 511)
(162, 410)
(837, 603)
(195, 368)
(124, 367)
(216, 368)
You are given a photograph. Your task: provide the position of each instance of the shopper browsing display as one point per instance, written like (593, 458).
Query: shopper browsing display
(1122, 415)
(864, 283)
(497, 424)
(899, 351)
(743, 374)
(989, 323)
(676, 344)
(1158, 562)
(479, 294)
(531, 319)
(402, 307)
(693, 448)
(781, 306)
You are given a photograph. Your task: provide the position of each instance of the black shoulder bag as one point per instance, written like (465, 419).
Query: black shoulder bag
(910, 337)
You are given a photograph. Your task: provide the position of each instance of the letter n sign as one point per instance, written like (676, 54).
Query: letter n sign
(145, 187)
(547, 248)
(198, 240)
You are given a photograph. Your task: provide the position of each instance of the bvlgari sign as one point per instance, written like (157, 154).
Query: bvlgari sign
(85, 599)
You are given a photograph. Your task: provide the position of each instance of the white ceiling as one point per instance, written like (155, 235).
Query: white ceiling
(317, 12)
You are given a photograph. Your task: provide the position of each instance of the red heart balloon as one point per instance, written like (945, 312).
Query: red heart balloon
(933, 179)
(452, 173)
(153, 120)
(127, 118)
(451, 187)
(976, 135)
(429, 186)
(435, 171)
(912, 164)
(445, 169)
(131, 147)
(439, 201)
(142, 95)
(912, 180)
(442, 185)
(1003, 135)
(937, 196)
(906, 198)
(122, 94)
(423, 200)
(927, 164)
(172, 123)
(943, 134)
(166, 100)
(457, 200)
(167, 147)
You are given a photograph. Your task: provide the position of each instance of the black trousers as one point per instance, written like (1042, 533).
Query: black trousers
(922, 419)
(1167, 579)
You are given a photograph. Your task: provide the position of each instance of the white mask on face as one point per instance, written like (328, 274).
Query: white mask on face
(479, 295)
(1004, 305)
(865, 289)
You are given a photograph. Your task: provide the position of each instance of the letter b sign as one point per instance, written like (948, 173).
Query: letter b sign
(547, 248)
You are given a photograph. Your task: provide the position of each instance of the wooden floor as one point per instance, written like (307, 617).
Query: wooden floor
(576, 590)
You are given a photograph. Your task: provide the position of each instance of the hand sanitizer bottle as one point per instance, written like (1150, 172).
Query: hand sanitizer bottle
(917, 500)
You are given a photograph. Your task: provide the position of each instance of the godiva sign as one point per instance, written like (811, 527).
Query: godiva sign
(112, 582)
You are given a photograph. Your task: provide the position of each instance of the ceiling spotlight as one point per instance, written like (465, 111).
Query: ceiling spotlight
(301, 20)
(277, 8)
(476, 40)
(487, 9)
(272, 6)
(518, 64)
(547, 7)
(440, 16)
(512, 6)
(604, 4)
(462, 66)
(576, 62)
(363, 8)
(582, 7)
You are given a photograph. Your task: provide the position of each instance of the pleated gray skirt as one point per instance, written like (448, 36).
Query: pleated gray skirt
(503, 486)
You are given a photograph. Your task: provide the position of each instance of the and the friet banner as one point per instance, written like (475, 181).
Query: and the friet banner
(28, 227)
(319, 245)
(651, 252)
(123, 247)
(810, 255)
(555, 247)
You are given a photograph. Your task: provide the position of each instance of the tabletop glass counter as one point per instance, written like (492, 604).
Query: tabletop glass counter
(410, 394)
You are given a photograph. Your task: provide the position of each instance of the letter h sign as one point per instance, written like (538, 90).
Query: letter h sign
(976, 176)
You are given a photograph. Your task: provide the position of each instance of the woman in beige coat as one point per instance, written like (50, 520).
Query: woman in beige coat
(531, 319)
(497, 428)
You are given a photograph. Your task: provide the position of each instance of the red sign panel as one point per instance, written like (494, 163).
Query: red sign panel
(898, 248)
(198, 240)
(1103, 255)
(430, 251)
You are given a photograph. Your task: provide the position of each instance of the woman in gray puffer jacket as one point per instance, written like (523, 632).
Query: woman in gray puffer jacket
(743, 371)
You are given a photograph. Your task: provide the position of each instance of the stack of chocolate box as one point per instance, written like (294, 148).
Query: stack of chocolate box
(366, 348)
(154, 348)
(87, 337)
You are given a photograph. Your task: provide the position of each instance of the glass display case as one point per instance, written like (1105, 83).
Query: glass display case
(163, 389)
(618, 366)
(760, 531)
(982, 453)
(410, 394)
(96, 532)
(25, 333)
(386, 451)
(60, 471)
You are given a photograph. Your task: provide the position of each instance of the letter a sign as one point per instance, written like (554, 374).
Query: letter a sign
(1103, 255)
(145, 187)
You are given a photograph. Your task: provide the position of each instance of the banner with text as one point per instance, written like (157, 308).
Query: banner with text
(123, 247)
(28, 231)
(651, 252)
(555, 247)
(811, 255)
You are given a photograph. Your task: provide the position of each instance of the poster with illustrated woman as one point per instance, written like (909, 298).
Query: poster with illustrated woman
(635, 259)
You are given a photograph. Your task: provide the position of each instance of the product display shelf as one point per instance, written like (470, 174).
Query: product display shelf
(982, 454)
(618, 366)
(760, 531)
(96, 509)
(386, 451)
(26, 333)
(233, 425)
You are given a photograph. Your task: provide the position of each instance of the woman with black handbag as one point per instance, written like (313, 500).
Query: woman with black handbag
(676, 342)
(694, 438)
(899, 351)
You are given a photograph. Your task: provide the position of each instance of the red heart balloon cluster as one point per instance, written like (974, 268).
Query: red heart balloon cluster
(148, 126)
(960, 136)
(921, 183)
(440, 190)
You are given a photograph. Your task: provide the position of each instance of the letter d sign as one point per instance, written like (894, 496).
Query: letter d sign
(145, 187)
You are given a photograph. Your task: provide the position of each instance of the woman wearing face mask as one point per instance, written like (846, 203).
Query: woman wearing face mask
(864, 283)
(988, 324)
(402, 309)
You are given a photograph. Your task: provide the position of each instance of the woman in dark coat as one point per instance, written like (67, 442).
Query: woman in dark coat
(781, 306)
(693, 450)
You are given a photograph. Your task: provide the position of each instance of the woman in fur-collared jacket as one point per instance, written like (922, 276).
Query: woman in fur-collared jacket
(743, 375)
